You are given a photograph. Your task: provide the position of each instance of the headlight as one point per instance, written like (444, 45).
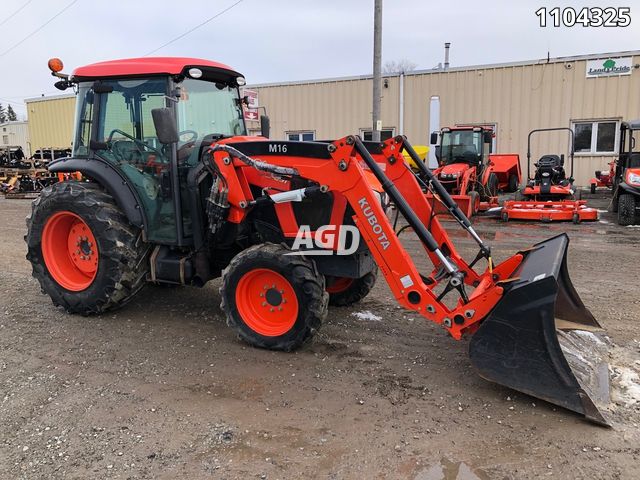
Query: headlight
(633, 178)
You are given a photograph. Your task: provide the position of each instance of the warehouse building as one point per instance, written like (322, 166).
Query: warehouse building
(51, 121)
(14, 134)
(590, 94)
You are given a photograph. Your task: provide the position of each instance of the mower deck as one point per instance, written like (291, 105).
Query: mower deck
(550, 211)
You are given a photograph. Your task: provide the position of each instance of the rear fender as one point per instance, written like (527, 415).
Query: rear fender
(111, 180)
(488, 170)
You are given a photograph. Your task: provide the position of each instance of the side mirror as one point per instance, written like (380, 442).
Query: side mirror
(438, 151)
(265, 126)
(434, 138)
(165, 124)
(488, 137)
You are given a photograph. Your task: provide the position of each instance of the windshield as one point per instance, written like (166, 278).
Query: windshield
(461, 146)
(206, 108)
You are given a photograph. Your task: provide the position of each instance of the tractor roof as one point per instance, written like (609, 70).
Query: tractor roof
(150, 66)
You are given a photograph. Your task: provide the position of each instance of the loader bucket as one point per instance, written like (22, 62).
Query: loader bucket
(541, 340)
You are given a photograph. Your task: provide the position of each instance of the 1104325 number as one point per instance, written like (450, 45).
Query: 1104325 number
(585, 17)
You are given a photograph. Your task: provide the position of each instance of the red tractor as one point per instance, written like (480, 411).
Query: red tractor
(470, 173)
(175, 192)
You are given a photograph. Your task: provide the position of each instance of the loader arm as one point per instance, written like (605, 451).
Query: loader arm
(344, 171)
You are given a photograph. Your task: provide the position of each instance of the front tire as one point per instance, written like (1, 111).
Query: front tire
(84, 253)
(273, 300)
(626, 209)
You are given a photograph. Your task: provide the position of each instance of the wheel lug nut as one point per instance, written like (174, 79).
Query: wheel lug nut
(262, 294)
(264, 304)
(271, 309)
(280, 309)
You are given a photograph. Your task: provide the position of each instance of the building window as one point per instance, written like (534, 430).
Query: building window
(5, 139)
(301, 136)
(385, 134)
(595, 138)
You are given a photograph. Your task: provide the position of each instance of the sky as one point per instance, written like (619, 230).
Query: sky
(284, 40)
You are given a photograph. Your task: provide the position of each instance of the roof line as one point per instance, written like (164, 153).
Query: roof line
(49, 97)
(541, 61)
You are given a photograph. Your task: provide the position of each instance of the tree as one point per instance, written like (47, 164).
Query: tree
(399, 66)
(3, 114)
(11, 114)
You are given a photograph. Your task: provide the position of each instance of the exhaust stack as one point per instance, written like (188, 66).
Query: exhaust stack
(447, 45)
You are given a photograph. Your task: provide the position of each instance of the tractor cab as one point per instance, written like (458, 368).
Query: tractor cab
(150, 119)
(469, 145)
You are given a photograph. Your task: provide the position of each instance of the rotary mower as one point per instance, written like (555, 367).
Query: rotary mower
(550, 195)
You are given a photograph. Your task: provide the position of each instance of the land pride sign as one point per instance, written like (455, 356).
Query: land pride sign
(608, 67)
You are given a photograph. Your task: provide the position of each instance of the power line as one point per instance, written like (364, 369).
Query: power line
(38, 29)
(193, 29)
(15, 13)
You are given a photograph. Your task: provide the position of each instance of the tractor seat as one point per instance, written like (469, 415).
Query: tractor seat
(550, 161)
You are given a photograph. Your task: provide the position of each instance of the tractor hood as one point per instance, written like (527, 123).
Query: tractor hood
(454, 169)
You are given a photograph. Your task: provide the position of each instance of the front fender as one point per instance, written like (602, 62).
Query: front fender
(625, 187)
(111, 180)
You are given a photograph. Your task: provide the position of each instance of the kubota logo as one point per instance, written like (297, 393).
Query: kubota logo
(326, 240)
(374, 222)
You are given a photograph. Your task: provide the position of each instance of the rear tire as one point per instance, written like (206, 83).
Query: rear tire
(626, 209)
(513, 183)
(273, 300)
(115, 249)
(347, 291)
(593, 188)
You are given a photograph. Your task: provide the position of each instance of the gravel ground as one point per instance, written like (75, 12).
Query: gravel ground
(163, 389)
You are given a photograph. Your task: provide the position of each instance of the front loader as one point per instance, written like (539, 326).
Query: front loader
(175, 192)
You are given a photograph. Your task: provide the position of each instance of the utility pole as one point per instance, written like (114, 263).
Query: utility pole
(377, 68)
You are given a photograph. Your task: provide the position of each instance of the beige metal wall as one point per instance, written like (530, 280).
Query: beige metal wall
(15, 134)
(517, 98)
(51, 121)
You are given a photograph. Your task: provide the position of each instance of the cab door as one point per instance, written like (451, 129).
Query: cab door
(126, 137)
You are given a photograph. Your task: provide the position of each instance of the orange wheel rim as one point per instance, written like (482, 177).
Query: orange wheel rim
(70, 251)
(267, 302)
(340, 285)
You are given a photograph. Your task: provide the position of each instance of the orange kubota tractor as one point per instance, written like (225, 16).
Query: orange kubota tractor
(470, 173)
(175, 192)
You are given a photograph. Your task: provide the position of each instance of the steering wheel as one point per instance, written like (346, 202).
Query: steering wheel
(184, 150)
(192, 138)
(138, 142)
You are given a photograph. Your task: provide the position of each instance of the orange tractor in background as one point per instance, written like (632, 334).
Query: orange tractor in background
(469, 172)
